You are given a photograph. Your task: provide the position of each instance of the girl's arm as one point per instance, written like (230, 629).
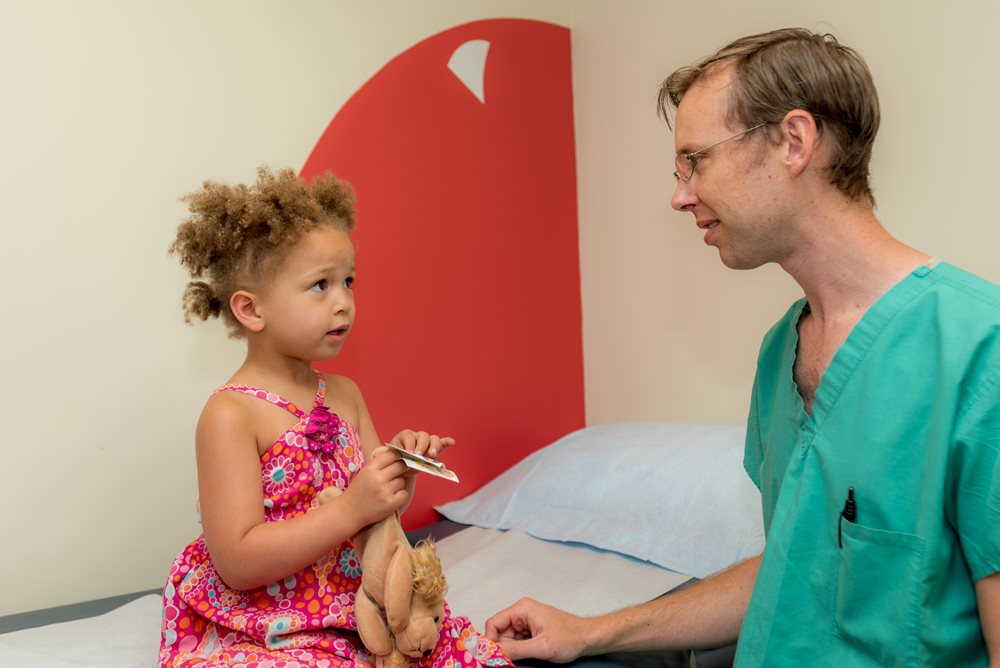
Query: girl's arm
(249, 552)
(419, 442)
(341, 386)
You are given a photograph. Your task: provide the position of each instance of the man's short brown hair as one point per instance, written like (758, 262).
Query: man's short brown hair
(795, 68)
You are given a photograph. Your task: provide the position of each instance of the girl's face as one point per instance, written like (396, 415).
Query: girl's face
(308, 307)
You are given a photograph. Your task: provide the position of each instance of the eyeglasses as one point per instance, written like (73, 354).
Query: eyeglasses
(686, 162)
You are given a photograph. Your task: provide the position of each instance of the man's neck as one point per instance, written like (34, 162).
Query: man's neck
(847, 261)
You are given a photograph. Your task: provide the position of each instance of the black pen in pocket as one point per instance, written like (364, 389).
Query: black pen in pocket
(849, 513)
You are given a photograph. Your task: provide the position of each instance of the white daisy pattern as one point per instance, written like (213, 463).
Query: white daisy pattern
(278, 475)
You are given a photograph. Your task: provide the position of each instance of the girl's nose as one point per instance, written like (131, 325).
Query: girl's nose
(343, 302)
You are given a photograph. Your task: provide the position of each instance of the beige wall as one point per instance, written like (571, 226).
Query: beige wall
(111, 110)
(669, 333)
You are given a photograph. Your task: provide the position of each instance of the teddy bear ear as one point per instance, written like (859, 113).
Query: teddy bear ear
(398, 591)
(371, 627)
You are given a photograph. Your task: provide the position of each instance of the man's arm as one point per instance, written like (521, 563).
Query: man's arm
(708, 614)
(988, 599)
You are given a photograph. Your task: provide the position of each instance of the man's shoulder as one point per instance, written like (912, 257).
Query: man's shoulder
(964, 286)
(961, 303)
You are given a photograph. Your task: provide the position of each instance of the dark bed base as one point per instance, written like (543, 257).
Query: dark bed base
(68, 613)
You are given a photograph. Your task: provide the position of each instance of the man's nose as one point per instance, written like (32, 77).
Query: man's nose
(684, 198)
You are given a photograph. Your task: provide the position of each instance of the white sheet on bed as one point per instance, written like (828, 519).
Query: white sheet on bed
(668, 493)
(486, 569)
(126, 637)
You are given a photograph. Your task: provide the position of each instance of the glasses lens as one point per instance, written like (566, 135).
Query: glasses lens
(684, 167)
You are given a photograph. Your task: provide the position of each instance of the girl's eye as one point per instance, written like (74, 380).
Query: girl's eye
(319, 286)
(349, 282)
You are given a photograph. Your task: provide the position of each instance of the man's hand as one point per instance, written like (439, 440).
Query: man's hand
(529, 629)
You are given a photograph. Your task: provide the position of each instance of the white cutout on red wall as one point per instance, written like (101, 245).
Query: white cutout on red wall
(468, 63)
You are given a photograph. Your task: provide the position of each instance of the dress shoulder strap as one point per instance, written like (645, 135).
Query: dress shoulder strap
(276, 399)
(320, 389)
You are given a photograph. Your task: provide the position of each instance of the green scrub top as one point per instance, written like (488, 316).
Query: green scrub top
(908, 414)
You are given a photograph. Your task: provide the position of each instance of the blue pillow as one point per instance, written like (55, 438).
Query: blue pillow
(675, 495)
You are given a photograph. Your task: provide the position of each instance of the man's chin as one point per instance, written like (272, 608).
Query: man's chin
(739, 263)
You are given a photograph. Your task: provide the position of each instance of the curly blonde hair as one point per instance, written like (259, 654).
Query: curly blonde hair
(236, 236)
(428, 578)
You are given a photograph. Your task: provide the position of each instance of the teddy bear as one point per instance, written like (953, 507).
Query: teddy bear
(399, 607)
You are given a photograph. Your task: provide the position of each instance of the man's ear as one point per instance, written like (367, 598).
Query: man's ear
(245, 308)
(800, 131)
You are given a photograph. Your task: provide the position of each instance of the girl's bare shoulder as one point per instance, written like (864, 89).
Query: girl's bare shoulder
(228, 411)
(344, 396)
(341, 384)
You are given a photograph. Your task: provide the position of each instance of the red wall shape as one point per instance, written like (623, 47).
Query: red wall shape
(468, 290)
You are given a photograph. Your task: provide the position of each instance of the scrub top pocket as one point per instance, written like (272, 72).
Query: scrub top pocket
(879, 593)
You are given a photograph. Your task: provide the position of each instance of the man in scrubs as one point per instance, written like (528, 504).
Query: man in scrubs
(874, 427)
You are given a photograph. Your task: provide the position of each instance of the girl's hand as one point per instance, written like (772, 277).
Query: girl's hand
(422, 443)
(379, 489)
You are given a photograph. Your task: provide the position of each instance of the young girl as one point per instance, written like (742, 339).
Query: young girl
(272, 580)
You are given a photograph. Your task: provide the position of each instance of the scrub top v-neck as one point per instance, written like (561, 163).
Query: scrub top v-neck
(907, 414)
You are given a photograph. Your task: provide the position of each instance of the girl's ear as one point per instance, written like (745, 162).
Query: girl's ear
(244, 306)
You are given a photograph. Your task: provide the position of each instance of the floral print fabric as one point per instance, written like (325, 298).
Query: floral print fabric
(307, 619)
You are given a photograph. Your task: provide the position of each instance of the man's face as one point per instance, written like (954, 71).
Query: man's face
(734, 190)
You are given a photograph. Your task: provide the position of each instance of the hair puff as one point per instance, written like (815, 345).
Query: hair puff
(236, 235)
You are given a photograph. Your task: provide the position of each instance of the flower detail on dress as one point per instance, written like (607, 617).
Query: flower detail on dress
(278, 475)
(349, 563)
(322, 429)
(233, 598)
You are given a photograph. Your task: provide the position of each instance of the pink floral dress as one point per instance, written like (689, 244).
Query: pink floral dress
(306, 619)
